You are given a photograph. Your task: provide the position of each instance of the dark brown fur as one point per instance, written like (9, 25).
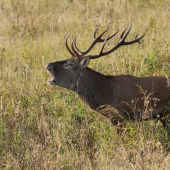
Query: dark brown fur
(115, 97)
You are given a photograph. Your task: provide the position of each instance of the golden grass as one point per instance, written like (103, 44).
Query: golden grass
(40, 126)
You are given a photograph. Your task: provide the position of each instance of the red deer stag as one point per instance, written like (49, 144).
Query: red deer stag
(115, 97)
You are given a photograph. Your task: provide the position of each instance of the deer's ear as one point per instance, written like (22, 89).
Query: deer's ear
(85, 62)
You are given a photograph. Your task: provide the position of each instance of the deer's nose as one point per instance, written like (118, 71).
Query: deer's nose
(48, 67)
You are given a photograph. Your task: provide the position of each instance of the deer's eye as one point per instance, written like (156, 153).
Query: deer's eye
(70, 64)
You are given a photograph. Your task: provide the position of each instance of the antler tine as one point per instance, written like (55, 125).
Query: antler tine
(96, 40)
(121, 36)
(135, 40)
(112, 35)
(103, 45)
(94, 34)
(127, 32)
(69, 50)
(102, 40)
(101, 51)
(99, 37)
(73, 47)
(120, 43)
(135, 36)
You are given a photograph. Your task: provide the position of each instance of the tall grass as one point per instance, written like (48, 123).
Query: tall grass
(48, 127)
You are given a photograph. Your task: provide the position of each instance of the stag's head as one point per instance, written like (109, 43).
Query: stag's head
(65, 73)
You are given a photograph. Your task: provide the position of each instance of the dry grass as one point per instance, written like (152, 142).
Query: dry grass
(40, 126)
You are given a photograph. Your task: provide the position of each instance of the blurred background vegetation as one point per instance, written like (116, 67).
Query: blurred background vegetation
(48, 127)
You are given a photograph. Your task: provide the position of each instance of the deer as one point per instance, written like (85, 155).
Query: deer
(119, 97)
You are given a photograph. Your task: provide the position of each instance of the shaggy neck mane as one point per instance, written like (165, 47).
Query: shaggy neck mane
(94, 88)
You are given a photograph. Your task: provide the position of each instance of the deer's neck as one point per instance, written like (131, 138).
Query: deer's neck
(94, 88)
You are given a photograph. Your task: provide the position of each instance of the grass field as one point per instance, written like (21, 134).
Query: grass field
(48, 127)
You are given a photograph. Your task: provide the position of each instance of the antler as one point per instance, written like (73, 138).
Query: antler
(121, 42)
(72, 54)
(95, 41)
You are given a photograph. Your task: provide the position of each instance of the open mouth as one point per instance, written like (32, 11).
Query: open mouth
(52, 81)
